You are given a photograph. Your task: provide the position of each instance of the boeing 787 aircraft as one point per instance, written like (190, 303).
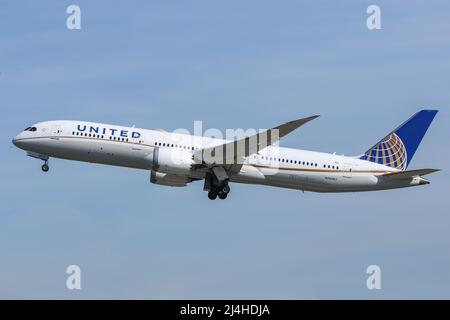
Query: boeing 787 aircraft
(175, 159)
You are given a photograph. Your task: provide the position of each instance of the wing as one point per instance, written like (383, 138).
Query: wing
(235, 152)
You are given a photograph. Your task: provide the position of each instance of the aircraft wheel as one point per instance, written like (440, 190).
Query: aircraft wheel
(45, 167)
(212, 195)
(225, 189)
(223, 195)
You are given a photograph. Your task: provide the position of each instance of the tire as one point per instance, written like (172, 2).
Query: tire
(45, 167)
(212, 195)
(223, 195)
(226, 189)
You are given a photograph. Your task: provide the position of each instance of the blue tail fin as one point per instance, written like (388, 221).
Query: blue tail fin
(398, 147)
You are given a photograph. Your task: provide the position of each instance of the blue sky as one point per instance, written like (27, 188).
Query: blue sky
(231, 64)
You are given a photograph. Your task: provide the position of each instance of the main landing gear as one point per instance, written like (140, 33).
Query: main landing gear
(45, 166)
(215, 188)
(221, 192)
(217, 192)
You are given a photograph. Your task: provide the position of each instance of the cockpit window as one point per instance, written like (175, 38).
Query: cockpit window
(27, 129)
(32, 129)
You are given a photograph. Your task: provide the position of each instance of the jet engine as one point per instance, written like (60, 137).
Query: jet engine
(172, 161)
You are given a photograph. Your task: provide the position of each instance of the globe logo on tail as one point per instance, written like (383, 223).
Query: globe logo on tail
(389, 152)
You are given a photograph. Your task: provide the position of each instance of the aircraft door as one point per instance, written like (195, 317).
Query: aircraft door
(347, 173)
(55, 130)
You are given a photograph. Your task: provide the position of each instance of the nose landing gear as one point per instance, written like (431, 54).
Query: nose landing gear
(40, 156)
(45, 167)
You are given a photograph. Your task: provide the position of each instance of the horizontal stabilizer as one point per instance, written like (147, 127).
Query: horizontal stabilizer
(409, 174)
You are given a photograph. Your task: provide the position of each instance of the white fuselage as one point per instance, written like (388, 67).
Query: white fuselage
(273, 166)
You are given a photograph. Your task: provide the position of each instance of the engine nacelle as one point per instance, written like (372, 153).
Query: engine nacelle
(172, 161)
(167, 179)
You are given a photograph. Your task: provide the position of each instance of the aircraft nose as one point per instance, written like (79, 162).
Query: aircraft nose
(14, 141)
(17, 141)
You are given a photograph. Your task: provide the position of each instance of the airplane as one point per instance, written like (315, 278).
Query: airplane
(176, 159)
